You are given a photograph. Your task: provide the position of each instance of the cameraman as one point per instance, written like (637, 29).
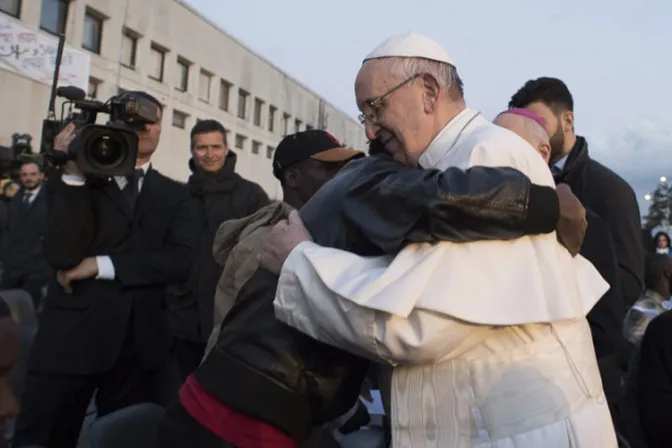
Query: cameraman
(115, 245)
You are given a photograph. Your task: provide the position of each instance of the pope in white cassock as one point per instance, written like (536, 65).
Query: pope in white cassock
(486, 343)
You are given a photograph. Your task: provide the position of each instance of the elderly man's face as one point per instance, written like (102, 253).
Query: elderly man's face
(529, 130)
(397, 111)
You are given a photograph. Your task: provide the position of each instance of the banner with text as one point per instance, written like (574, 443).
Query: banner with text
(33, 54)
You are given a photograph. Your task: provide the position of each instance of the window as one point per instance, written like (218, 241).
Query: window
(240, 141)
(179, 119)
(256, 147)
(182, 75)
(285, 123)
(242, 103)
(94, 84)
(224, 93)
(309, 127)
(204, 84)
(93, 31)
(271, 117)
(129, 48)
(258, 104)
(11, 7)
(269, 152)
(297, 125)
(53, 16)
(157, 60)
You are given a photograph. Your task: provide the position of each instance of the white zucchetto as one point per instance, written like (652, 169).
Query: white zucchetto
(410, 45)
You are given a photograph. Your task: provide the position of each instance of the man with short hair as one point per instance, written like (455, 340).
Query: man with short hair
(116, 244)
(302, 162)
(24, 266)
(598, 188)
(488, 338)
(218, 194)
(529, 126)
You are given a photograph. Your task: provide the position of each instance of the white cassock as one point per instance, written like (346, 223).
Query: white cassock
(487, 342)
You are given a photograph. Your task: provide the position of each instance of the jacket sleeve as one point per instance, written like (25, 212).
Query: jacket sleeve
(168, 265)
(398, 204)
(71, 224)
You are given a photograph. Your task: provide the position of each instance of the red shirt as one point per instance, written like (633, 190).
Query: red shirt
(232, 427)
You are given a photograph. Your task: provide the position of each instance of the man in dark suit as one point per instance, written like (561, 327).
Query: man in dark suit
(24, 265)
(598, 188)
(115, 246)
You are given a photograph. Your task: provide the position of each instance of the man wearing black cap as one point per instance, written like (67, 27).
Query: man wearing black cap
(302, 162)
(265, 384)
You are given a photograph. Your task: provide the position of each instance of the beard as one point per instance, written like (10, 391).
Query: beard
(557, 143)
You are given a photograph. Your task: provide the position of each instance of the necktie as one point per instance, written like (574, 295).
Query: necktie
(26, 197)
(556, 170)
(131, 190)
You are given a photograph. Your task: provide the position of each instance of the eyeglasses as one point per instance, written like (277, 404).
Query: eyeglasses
(377, 103)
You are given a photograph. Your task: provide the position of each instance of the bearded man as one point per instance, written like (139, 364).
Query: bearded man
(486, 342)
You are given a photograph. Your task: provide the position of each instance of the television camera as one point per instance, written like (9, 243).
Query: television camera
(98, 150)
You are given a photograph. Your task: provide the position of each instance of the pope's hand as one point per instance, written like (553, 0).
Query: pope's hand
(86, 269)
(572, 224)
(281, 240)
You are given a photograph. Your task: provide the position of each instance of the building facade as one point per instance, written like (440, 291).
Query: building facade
(194, 68)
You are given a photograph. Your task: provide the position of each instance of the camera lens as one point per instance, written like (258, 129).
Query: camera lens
(106, 151)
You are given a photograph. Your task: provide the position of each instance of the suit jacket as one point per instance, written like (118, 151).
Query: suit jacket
(610, 197)
(153, 245)
(606, 317)
(22, 237)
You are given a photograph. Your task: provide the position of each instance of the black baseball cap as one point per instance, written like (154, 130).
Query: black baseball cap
(314, 144)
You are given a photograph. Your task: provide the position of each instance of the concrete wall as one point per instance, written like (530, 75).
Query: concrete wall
(186, 35)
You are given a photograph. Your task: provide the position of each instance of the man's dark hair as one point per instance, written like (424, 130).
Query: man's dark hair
(205, 127)
(32, 162)
(550, 91)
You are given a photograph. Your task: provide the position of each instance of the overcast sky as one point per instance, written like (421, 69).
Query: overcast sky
(614, 55)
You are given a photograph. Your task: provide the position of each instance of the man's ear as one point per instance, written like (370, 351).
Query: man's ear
(545, 151)
(432, 89)
(292, 177)
(567, 120)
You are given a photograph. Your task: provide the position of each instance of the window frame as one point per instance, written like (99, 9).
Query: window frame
(16, 4)
(183, 73)
(127, 33)
(98, 20)
(156, 48)
(63, 11)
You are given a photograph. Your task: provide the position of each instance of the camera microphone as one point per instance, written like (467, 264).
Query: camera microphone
(71, 93)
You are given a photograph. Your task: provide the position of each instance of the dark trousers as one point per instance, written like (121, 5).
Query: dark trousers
(30, 283)
(188, 355)
(53, 406)
(180, 430)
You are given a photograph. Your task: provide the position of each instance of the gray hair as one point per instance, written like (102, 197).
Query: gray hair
(536, 131)
(445, 74)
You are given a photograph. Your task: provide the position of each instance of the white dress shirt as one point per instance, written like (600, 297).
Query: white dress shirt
(32, 194)
(106, 269)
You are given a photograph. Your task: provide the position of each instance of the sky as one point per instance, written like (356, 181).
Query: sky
(615, 56)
